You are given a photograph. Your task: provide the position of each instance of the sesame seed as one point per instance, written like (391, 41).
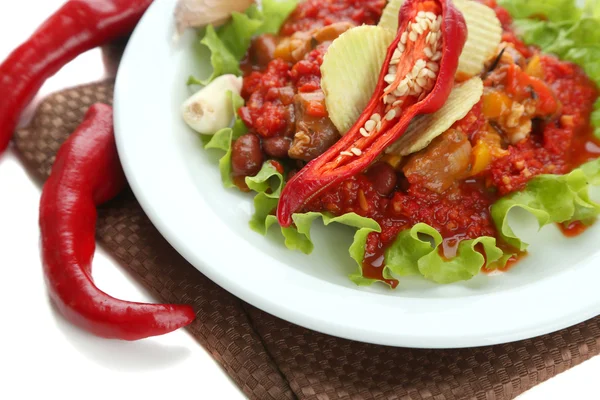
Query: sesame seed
(412, 36)
(397, 54)
(416, 69)
(364, 132)
(404, 38)
(433, 39)
(370, 125)
(355, 151)
(433, 66)
(431, 74)
(376, 117)
(379, 126)
(390, 78)
(437, 56)
(431, 15)
(428, 52)
(418, 29)
(398, 103)
(422, 96)
(424, 25)
(393, 70)
(390, 115)
(422, 82)
(346, 153)
(402, 89)
(389, 99)
(424, 72)
(401, 48)
(421, 14)
(395, 61)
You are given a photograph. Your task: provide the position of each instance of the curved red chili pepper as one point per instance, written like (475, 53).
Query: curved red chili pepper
(87, 173)
(78, 26)
(386, 117)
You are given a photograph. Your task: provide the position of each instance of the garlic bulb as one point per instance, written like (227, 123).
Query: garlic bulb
(210, 110)
(198, 13)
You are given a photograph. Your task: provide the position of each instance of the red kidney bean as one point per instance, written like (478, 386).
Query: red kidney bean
(383, 177)
(262, 49)
(277, 146)
(247, 157)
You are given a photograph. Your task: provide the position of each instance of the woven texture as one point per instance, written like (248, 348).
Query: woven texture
(272, 359)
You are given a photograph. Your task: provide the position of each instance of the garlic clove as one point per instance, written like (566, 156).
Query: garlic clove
(199, 13)
(210, 110)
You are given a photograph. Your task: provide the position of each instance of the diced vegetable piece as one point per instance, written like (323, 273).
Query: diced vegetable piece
(485, 33)
(426, 128)
(210, 110)
(534, 67)
(496, 104)
(350, 71)
(294, 48)
(488, 147)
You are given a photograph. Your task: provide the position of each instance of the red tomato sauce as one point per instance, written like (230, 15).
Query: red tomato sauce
(560, 96)
(557, 145)
(318, 13)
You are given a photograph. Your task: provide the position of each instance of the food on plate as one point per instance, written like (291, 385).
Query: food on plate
(75, 28)
(87, 173)
(420, 123)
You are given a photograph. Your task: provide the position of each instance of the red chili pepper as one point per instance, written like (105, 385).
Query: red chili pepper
(87, 173)
(78, 26)
(417, 78)
(523, 86)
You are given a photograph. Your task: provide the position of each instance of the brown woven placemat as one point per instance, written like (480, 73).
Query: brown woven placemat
(272, 359)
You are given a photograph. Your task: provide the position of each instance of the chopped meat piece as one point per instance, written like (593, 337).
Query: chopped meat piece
(439, 166)
(315, 132)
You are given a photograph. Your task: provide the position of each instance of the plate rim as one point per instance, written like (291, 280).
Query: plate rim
(268, 298)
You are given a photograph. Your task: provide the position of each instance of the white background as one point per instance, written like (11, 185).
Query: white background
(42, 355)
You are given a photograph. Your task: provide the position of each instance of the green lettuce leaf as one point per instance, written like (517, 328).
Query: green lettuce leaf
(274, 14)
(592, 8)
(553, 10)
(229, 43)
(223, 139)
(416, 251)
(551, 199)
(268, 184)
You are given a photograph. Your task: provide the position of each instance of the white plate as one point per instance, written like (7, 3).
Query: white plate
(177, 182)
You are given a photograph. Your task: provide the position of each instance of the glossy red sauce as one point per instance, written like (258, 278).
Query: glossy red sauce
(266, 111)
(317, 13)
(573, 229)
